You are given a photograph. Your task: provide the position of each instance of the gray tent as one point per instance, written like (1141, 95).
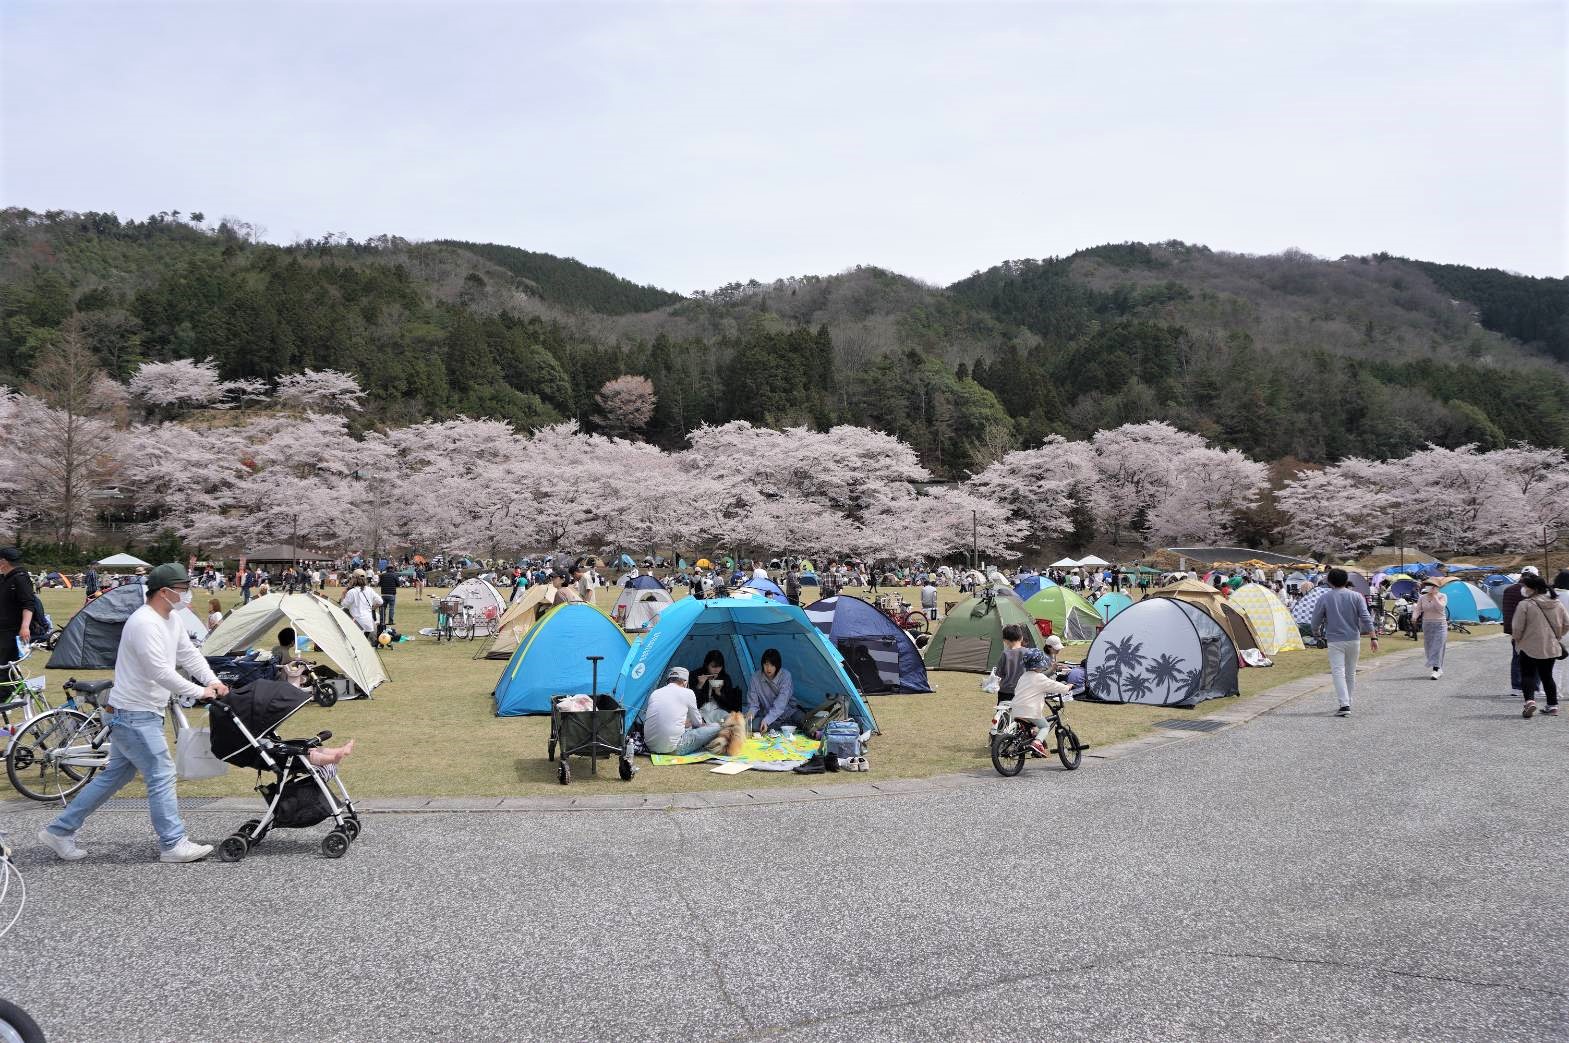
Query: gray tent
(91, 639)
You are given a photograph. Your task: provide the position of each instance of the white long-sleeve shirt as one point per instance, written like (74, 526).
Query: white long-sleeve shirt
(146, 673)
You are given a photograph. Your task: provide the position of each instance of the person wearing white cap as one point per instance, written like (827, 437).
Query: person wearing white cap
(671, 721)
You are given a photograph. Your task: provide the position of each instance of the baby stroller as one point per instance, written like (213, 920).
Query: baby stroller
(244, 732)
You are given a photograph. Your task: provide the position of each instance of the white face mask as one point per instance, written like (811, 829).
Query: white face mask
(184, 598)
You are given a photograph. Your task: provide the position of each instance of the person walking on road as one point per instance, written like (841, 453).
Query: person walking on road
(1539, 622)
(1432, 611)
(154, 648)
(1341, 618)
(1507, 605)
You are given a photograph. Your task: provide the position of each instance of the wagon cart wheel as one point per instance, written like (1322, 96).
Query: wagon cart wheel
(1008, 754)
(625, 769)
(233, 848)
(564, 773)
(1069, 750)
(335, 844)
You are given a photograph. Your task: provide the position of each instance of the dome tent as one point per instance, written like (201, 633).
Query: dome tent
(644, 608)
(766, 588)
(1468, 603)
(1072, 617)
(742, 629)
(629, 594)
(1162, 652)
(524, 611)
(335, 635)
(553, 660)
(1271, 622)
(970, 638)
(1209, 600)
(1111, 603)
(879, 656)
(1032, 585)
(91, 638)
(479, 597)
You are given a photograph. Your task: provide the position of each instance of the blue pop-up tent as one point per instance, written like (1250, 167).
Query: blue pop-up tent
(877, 654)
(552, 660)
(768, 588)
(1030, 586)
(1112, 602)
(1469, 603)
(741, 629)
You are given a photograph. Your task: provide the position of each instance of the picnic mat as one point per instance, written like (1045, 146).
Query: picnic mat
(763, 752)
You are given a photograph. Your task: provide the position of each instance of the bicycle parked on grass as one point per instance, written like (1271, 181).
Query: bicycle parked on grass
(1011, 738)
(55, 754)
(20, 694)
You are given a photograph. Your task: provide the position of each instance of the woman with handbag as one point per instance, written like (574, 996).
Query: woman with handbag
(1538, 630)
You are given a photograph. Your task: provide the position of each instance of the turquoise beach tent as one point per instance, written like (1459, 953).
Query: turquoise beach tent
(1468, 603)
(741, 629)
(552, 660)
(1110, 603)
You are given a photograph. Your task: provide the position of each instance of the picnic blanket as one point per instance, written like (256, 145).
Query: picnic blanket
(764, 752)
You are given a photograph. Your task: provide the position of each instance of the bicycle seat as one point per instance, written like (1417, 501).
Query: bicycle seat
(89, 687)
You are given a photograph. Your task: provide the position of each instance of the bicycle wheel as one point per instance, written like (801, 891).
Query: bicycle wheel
(1008, 753)
(28, 765)
(1069, 749)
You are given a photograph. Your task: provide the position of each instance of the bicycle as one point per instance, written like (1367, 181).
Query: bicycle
(57, 753)
(15, 1025)
(18, 692)
(1011, 739)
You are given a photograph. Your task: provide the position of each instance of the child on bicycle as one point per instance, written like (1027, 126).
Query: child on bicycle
(1036, 684)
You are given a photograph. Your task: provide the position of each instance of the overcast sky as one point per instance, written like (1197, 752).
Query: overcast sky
(691, 145)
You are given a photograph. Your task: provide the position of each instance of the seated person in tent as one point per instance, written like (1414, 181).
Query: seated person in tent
(671, 722)
(716, 703)
(770, 698)
(285, 651)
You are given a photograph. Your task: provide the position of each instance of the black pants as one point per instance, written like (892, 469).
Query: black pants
(1531, 670)
(8, 652)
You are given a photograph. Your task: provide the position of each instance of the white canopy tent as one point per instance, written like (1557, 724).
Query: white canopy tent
(329, 627)
(1093, 561)
(122, 561)
(1065, 563)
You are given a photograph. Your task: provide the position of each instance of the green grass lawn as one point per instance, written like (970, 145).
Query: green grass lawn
(431, 730)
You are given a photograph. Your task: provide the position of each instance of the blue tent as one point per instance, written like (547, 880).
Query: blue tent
(1418, 569)
(1030, 586)
(808, 579)
(1496, 584)
(1404, 588)
(768, 588)
(1469, 604)
(552, 660)
(742, 629)
(877, 654)
(626, 562)
(644, 582)
(1110, 603)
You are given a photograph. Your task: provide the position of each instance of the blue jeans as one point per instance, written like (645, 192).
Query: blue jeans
(137, 744)
(694, 739)
(389, 606)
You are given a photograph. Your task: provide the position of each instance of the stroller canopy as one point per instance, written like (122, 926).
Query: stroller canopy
(91, 639)
(1163, 652)
(262, 707)
(553, 660)
(343, 643)
(877, 654)
(741, 629)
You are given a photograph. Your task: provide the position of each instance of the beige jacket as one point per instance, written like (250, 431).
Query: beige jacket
(1538, 624)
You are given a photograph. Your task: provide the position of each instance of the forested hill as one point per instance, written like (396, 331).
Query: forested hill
(1282, 356)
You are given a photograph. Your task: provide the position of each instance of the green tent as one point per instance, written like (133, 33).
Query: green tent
(971, 637)
(1072, 618)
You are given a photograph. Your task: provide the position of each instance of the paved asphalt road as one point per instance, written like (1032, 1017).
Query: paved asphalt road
(1396, 875)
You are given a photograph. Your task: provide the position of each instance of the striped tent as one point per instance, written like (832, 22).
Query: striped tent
(880, 657)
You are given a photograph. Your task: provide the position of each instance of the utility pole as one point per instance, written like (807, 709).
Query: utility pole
(975, 540)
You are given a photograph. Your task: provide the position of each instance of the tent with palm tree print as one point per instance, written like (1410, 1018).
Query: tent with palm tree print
(1162, 652)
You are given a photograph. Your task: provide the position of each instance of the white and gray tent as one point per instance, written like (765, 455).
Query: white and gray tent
(641, 610)
(336, 636)
(1161, 652)
(91, 639)
(479, 598)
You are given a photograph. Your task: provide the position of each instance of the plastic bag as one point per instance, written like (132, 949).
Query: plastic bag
(193, 756)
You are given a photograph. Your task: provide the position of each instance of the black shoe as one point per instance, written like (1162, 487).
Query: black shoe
(830, 761)
(1344, 711)
(811, 767)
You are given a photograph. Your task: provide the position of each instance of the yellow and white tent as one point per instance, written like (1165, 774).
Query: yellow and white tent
(524, 611)
(1271, 620)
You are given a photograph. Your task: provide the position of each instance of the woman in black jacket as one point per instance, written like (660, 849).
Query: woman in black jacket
(716, 703)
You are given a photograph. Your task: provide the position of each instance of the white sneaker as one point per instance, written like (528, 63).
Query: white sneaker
(186, 851)
(1437, 674)
(65, 847)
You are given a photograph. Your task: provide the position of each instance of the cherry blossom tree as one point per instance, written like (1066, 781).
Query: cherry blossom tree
(1209, 488)
(626, 405)
(1038, 486)
(318, 390)
(169, 387)
(1339, 510)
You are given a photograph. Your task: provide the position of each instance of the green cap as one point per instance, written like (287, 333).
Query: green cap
(166, 575)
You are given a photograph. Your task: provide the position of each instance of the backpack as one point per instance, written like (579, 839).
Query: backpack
(41, 624)
(833, 709)
(842, 739)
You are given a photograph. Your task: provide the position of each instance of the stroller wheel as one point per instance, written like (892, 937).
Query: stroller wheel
(233, 848)
(335, 844)
(351, 828)
(563, 772)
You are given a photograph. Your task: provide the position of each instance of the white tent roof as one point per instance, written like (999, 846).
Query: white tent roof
(1065, 563)
(1093, 560)
(123, 561)
(256, 626)
(477, 596)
